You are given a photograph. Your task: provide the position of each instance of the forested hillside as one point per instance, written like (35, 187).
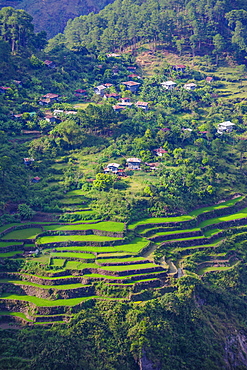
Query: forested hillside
(202, 27)
(123, 189)
(51, 16)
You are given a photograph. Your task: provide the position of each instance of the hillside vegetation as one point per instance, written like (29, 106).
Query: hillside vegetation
(123, 192)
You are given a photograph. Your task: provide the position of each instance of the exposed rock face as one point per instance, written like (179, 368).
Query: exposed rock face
(146, 364)
(236, 351)
(52, 15)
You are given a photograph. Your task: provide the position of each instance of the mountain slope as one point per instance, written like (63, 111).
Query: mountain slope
(52, 15)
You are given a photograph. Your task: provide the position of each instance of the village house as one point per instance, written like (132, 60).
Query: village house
(18, 83)
(225, 127)
(50, 118)
(131, 86)
(36, 179)
(113, 55)
(131, 68)
(133, 76)
(190, 86)
(112, 167)
(57, 112)
(80, 92)
(118, 108)
(168, 85)
(179, 67)
(49, 98)
(111, 95)
(3, 89)
(209, 79)
(142, 104)
(99, 90)
(160, 152)
(125, 100)
(133, 163)
(49, 64)
(28, 161)
(125, 104)
(152, 166)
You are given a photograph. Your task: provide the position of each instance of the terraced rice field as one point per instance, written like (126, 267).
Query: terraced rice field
(71, 269)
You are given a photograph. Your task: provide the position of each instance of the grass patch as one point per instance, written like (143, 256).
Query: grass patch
(58, 262)
(8, 244)
(56, 287)
(118, 260)
(175, 232)
(213, 269)
(212, 232)
(15, 314)
(226, 204)
(75, 238)
(40, 302)
(73, 255)
(30, 233)
(102, 226)
(76, 265)
(10, 254)
(235, 216)
(159, 220)
(129, 267)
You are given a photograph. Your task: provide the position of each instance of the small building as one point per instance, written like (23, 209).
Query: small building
(118, 108)
(99, 90)
(209, 79)
(80, 92)
(133, 76)
(49, 64)
(190, 86)
(113, 55)
(179, 67)
(131, 86)
(160, 152)
(125, 104)
(111, 95)
(133, 163)
(142, 104)
(50, 118)
(131, 68)
(49, 98)
(57, 112)
(107, 85)
(168, 85)
(125, 100)
(3, 89)
(28, 161)
(36, 179)
(152, 166)
(18, 83)
(225, 127)
(112, 167)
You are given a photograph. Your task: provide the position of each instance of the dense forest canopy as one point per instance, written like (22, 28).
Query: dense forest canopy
(200, 26)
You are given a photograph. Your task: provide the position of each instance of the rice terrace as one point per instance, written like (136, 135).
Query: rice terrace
(74, 263)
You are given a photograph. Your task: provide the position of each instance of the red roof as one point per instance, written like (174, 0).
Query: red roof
(48, 62)
(180, 66)
(142, 103)
(108, 85)
(51, 96)
(133, 76)
(112, 95)
(4, 88)
(37, 178)
(118, 107)
(209, 79)
(131, 83)
(130, 68)
(160, 150)
(80, 91)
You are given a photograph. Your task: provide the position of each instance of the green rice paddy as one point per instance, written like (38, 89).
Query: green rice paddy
(30, 233)
(7, 244)
(226, 204)
(73, 255)
(102, 226)
(40, 302)
(235, 216)
(159, 220)
(75, 238)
